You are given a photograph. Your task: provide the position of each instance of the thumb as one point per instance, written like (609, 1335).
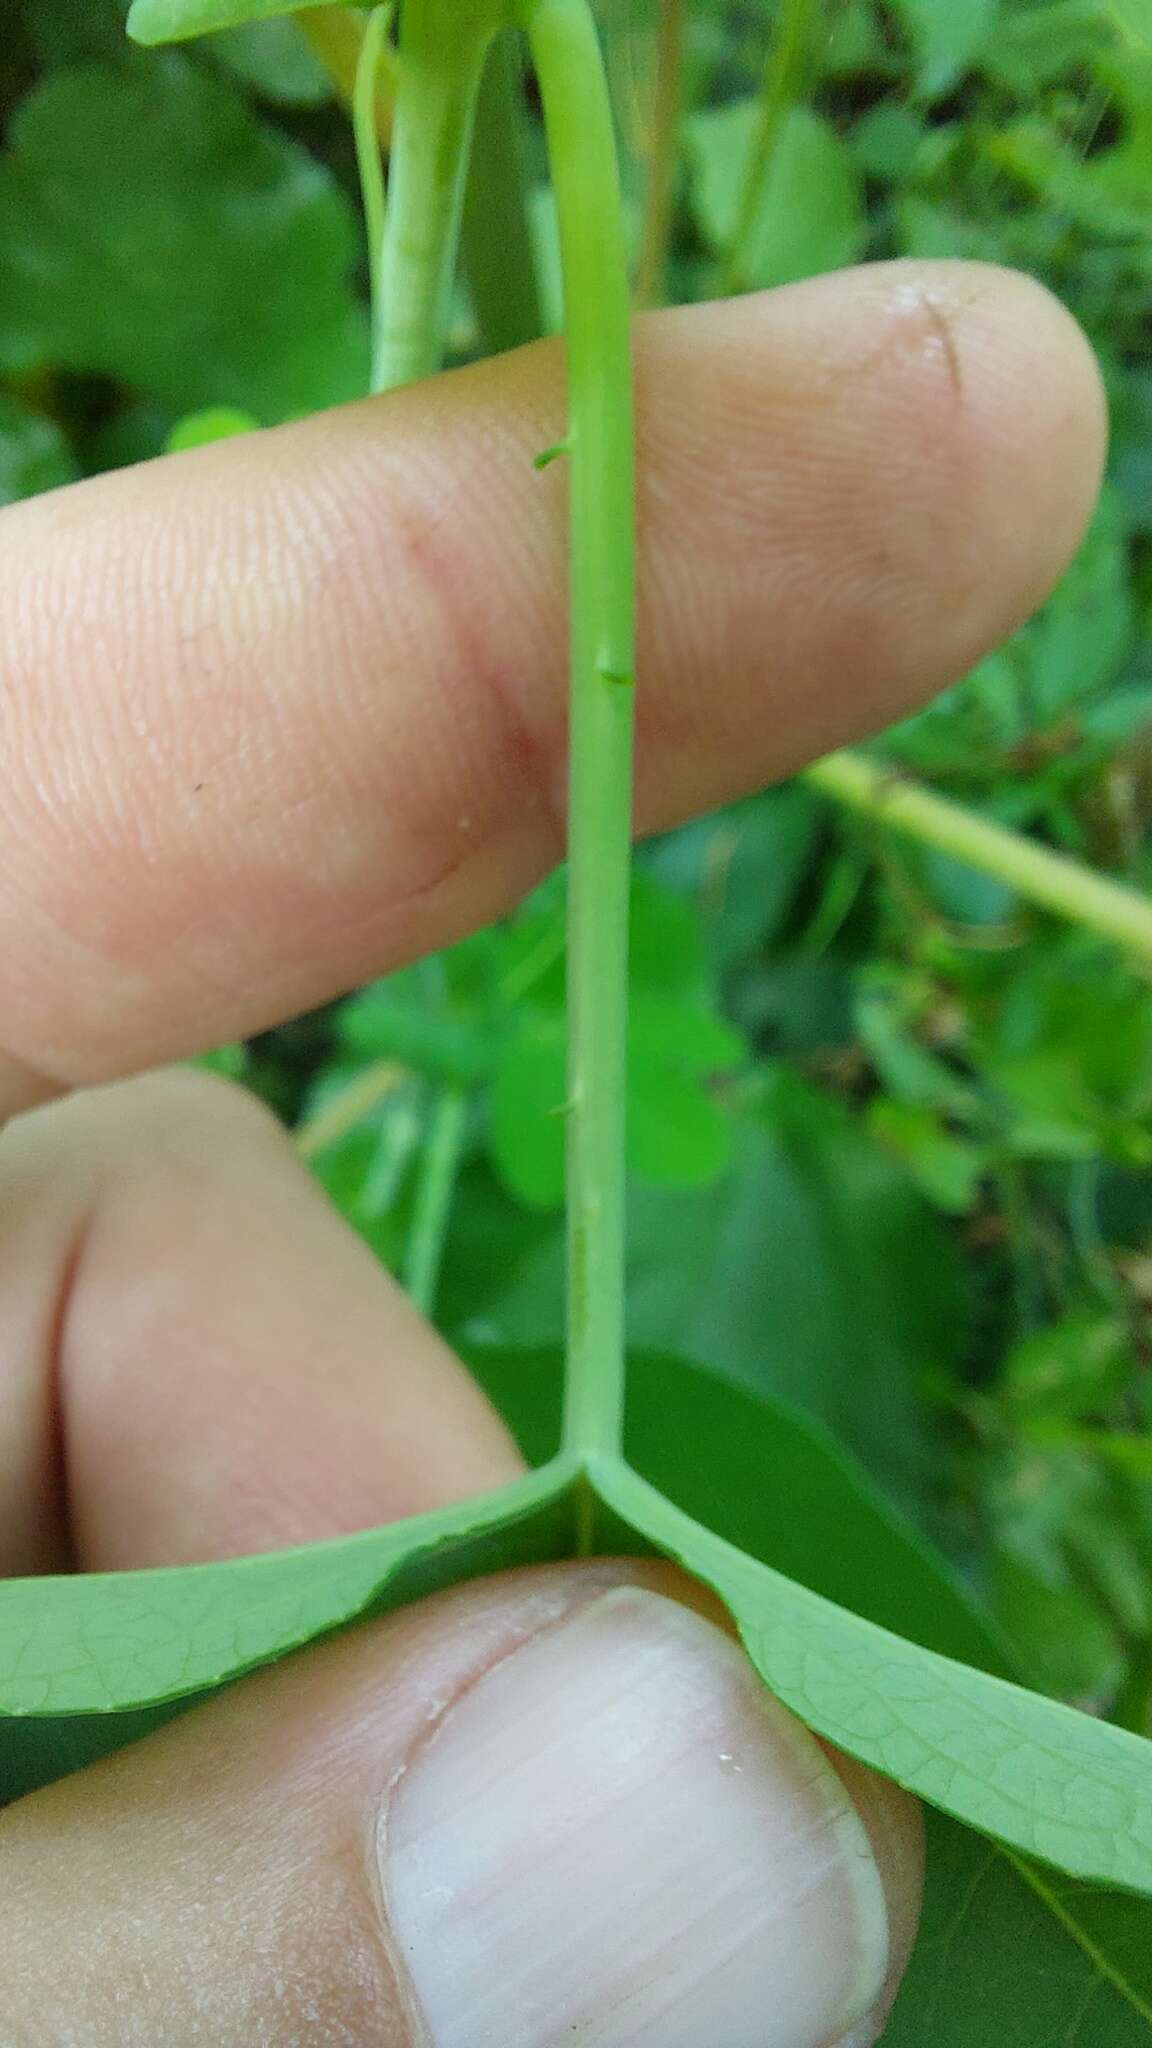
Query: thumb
(549, 1808)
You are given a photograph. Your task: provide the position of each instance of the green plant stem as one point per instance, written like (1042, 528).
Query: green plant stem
(439, 1166)
(652, 269)
(497, 248)
(1048, 879)
(443, 47)
(783, 76)
(340, 1116)
(335, 35)
(369, 156)
(582, 151)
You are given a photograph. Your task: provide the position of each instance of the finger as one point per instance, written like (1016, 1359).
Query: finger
(280, 713)
(197, 1357)
(548, 1808)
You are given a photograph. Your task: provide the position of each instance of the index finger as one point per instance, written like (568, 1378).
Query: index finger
(282, 713)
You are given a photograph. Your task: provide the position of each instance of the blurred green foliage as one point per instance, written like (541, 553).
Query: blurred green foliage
(891, 1131)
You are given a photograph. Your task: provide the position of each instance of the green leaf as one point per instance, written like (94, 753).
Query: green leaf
(948, 1169)
(678, 1136)
(72, 31)
(273, 59)
(1052, 1783)
(214, 423)
(1062, 1642)
(34, 455)
(815, 1270)
(152, 230)
(948, 36)
(1072, 1368)
(526, 1112)
(743, 866)
(1045, 1780)
(85, 1651)
(1011, 1953)
(1134, 20)
(173, 21)
(811, 215)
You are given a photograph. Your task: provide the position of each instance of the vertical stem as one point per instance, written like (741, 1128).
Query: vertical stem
(439, 1166)
(442, 54)
(652, 269)
(582, 151)
(778, 94)
(335, 36)
(499, 257)
(369, 155)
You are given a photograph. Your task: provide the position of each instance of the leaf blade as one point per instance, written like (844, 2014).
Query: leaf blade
(1040, 1777)
(1087, 1985)
(151, 22)
(106, 1646)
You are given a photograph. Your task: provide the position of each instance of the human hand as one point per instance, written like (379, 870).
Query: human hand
(278, 715)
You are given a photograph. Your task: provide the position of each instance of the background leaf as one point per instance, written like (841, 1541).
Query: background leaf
(1012, 1954)
(151, 230)
(948, 35)
(811, 212)
(34, 455)
(273, 58)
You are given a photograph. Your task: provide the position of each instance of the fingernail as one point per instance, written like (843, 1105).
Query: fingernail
(618, 1837)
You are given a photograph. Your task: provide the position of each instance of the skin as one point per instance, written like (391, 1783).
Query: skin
(279, 715)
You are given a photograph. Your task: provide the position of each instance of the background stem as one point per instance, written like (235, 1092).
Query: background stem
(582, 151)
(369, 155)
(431, 133)
(435, 1186)
(335, 36)
(652, 269)
(1045, 878)
(499, 257)
(783, 78)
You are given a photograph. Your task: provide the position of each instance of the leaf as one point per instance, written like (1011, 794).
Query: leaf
(811, 214)
(72, 31)
(1049, 1782)
(1063, 1643)
(78, 1653)
(173, 21)
(214, 423)
(152, 230)
(743, 866)
(273, 59)
(677, 1135)
(1054, 1784)
(948, 1169)
(815, 1270)
(1073, 1368)
(526, 1112)
(1011, 1953)
(948, 36)
(34, 455)
(1134, 20)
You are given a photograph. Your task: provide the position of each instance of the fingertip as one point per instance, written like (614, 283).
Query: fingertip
(1028, 393)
